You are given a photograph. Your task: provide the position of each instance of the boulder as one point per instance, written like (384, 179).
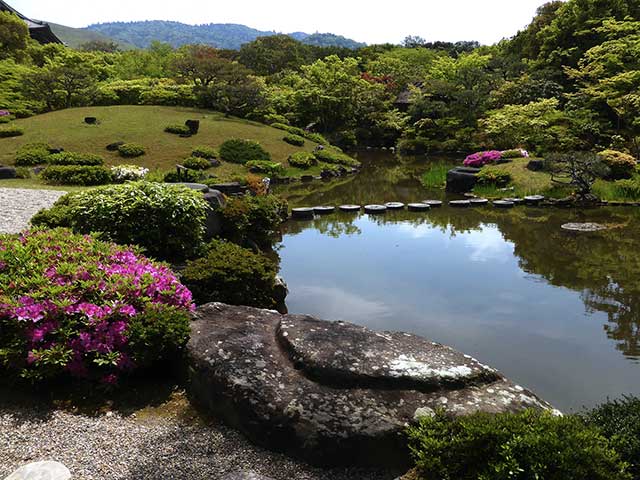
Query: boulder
(90, 120)
(462, 179)
(333, 393)
(7, 173)
(113, 147)
(231, 188)
(41, 471)
(193, 126)
(535, 165)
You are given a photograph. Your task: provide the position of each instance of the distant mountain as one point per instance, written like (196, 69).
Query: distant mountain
(221, 35)
(75, 37)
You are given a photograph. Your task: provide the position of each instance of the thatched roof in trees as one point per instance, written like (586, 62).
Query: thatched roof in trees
(39, 31)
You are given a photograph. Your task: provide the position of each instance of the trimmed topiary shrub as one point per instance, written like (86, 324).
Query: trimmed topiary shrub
(183, 176)
(231, 274)
(336, 157)
(177, 129)
(619, 420)
(72, 158)
(204, 152)
(83, 175)
(10, 130)
(168, 221)
(525, 446)
(295, 140)
(71, 305)
(253, 218)
(302, 160)
(196, 163)
(273, 169)
(131, 150)
(494, 177)
(515, 153)
(32, 154)
(316, 137)
(240, 151)
(621, 165)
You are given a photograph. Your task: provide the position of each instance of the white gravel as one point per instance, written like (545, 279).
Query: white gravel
(17, 206)
(140, 446)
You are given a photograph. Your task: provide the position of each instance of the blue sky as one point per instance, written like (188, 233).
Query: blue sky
(371, 21)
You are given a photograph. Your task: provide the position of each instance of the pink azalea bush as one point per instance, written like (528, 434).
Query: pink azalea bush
(4, 113)
(74, 305)
(480, 159)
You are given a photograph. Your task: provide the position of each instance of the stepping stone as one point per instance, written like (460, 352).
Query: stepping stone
(433, 203)
(503, 204)
(584, 227)
(533, 199)
(418, 207)
(394, 205)
(41, 471)
(303, 213)
(515, 200)
(460, 203)
(375, 208)
(350, 208)
(322, 390)
(324, 210)
(475, 202)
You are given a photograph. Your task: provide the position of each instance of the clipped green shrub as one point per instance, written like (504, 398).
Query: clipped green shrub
(619, 420)
(253, 218)
(196, 163)
(621, 165)
(32, 154)
(515, 153)
(203, 151)
(72, 158)
(10, 130)
(316, 137)
(330, 155)
(295, 140)
(414, 146)
(71, 305)
(83, 175)
(168, 221)
(231, 274)
(302, 160)
(24, 172)
(494, 176)
(188, 176)
(177, 129)
(272, 169)
(241, 151)
(131, 150)
(525, 446)
(5, 119)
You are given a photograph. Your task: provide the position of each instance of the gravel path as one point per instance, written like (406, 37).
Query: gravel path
(141, 446)
(17, 206)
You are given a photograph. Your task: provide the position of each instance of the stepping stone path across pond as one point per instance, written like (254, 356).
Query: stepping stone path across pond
(476, 202)
(433, 203)
(503, 204)
(304, 213)
(418, 207)
(533, 199)
(350, 208)
(375, 208)
(516, 200)
(324, 210)
(460, 203)
(394, 205)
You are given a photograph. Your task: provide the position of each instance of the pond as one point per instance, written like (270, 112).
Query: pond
(556, 311)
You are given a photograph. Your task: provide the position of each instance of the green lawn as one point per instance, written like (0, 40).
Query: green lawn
(145, 125)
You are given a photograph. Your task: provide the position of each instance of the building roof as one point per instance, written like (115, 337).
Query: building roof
(39, 31)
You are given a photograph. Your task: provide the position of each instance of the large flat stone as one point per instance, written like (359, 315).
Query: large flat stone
(41, 471)
(332, 392)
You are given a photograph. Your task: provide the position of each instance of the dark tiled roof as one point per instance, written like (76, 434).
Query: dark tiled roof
(39, 31)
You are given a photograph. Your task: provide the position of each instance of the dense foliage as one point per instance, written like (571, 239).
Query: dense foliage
(167, 221)
(253, 218)
(131, 150)
(84, 175)
(196, 163)
(302, 160)
(237, 150)
(231, 274)
(527, 446)
(72, 158)
(71, 305)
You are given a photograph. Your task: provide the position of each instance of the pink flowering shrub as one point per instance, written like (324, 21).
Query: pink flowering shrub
(480, 159)
(71, 304)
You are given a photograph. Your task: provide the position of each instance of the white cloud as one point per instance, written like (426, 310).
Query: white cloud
(488, 244)
(371, 21)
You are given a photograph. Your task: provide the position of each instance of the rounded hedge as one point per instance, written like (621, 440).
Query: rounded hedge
(272, 169)
(177, 129)
(621, 165)
(336, 157)
(494, 177)
(72, 158)
(168, 221)
(203, 151)
(71, 305)
(302, 160)
(83, 175)
(240, 151)
(131, 150)
(189, 176)
(251, 218)
(295, 140)
(231, 274)
(196, 163)
(9, 130)
(32, 154)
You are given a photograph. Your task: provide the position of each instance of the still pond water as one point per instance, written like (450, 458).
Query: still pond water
(556, 311)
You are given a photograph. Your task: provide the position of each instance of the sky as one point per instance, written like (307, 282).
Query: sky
(370, 21)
